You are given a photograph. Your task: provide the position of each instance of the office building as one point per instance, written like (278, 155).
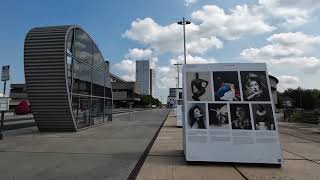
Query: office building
(145, 78)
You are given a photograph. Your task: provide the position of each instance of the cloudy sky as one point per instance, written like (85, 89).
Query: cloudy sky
(283, 33)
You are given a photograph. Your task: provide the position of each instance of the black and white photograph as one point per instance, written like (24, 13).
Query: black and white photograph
(255, 86)
(263, 117)
(197, 116)
(198, 86)
(226, 86)
(240, 116)
(218, 116)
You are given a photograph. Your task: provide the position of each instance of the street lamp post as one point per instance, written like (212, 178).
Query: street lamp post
(184, 23)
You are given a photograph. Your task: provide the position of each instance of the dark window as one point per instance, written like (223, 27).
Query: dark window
(81, 110)
(97, 110)
(108, 93)
(70, 42)
(81, 78)
(83, 46)
(97, 83)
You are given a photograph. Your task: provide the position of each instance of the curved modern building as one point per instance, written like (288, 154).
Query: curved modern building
(273, 83)
(67, 79)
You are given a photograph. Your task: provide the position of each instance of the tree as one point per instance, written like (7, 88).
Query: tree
(148, 100)
(303, 98)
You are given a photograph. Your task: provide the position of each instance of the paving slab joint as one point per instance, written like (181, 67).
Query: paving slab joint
(134, 173)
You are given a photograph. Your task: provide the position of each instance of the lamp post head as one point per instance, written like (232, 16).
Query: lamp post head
(184, 22)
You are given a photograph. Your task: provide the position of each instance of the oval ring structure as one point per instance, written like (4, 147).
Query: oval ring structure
(67, 79)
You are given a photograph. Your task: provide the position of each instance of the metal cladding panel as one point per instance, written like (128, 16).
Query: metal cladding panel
(44, 64)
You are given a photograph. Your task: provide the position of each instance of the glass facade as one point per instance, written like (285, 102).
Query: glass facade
(88, 81)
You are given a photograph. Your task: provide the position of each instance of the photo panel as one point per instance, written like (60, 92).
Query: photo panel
(240, 116)
(255, 86)
(226, 86)
(263, 117)
(218, 116)
(198, 86)
(197, 116)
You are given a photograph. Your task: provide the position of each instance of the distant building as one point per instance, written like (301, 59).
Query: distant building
(145, 78)
(174, 95)
(123, 92)
(152, 82)
(172, 92)
(273, 84)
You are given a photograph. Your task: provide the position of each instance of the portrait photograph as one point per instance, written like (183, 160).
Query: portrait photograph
(240, 116)
(263, 117)
(218, 115)
(226, 86)
(198, 86)
(197, 116)
(255, 86)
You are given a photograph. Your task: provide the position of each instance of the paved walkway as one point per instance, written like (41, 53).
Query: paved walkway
(108, 151)
(300, 147)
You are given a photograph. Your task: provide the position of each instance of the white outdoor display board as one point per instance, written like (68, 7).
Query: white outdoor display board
(179, 107)
(229, 114)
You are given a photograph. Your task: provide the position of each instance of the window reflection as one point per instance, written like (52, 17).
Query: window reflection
(81, 110)
(83, 46)
(97, 110)
(69, 72)
(97, 83)
(88, 80)
(108, 110)
(81, 78)
(70, 42)
(107, 89)
(98, 60)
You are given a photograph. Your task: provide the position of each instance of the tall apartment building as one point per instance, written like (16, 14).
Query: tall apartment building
(145, 78)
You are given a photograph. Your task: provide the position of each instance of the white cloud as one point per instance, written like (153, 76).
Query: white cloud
(139, 54)
(287, 49)
(286, 82)
(203, 44)
(296, 40)
(290, 13)
(307, 64)
(189, 2)
(168, 74)
(192, 60)
(240, 21)
(167, 77)
(169, 38)
(126, 69)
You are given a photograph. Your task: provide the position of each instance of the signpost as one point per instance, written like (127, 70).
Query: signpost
(4, 102)
(228, 114)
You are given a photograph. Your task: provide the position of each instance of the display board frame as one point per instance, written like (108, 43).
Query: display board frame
(222, 121)
(178, 108)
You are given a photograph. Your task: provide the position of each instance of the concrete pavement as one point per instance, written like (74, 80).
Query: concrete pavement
(300, 147)
(109, 151)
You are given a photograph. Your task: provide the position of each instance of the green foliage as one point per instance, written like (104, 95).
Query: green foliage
(303, 98)
(296, 116)
(148, 100)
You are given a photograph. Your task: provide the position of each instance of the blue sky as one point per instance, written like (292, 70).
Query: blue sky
(283, 33)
